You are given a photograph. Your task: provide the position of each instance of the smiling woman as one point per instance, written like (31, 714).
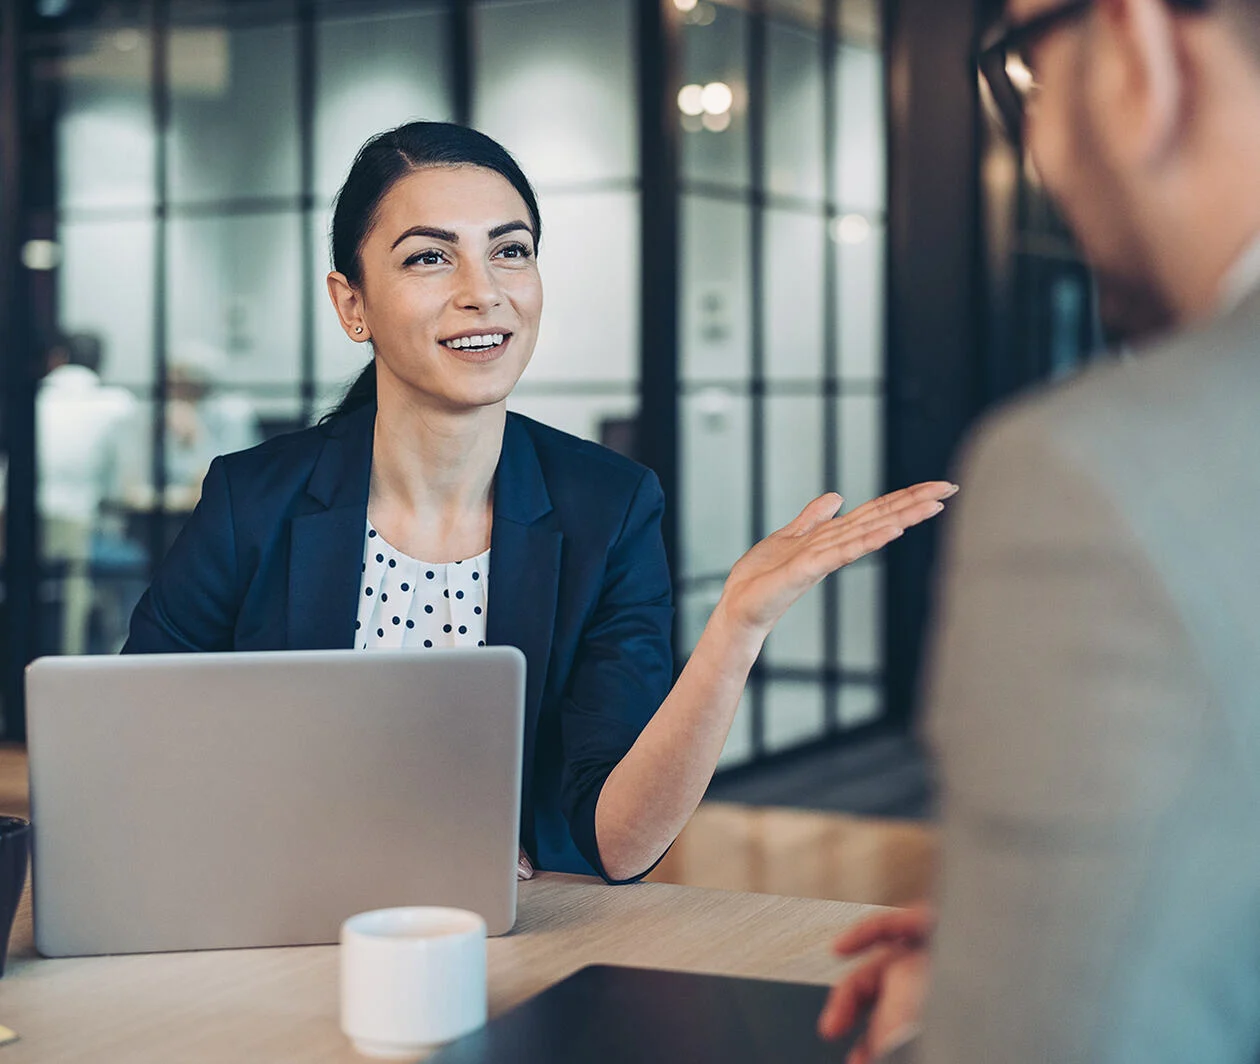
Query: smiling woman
(473, 526)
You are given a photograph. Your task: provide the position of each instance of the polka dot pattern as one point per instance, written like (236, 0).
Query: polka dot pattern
(405, 602)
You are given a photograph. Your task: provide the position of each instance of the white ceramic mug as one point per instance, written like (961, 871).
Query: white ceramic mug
(412, 979)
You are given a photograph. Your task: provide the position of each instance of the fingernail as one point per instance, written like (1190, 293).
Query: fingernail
(953, 490)
(939, 507)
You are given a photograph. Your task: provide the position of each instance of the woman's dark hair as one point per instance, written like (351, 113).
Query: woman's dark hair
(381, 163)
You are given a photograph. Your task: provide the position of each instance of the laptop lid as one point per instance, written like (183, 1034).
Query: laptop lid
(621, 1015)
(204, 801)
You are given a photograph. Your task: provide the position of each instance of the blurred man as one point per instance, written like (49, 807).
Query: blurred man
(1095, 695)
(79, 422)
(82, 428)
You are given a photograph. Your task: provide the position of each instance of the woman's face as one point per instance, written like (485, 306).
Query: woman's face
(450, 293)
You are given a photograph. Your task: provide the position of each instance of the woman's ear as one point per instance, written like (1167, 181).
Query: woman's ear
(349, 306)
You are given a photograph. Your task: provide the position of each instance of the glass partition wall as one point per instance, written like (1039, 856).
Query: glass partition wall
(193, 147)
(781, 346)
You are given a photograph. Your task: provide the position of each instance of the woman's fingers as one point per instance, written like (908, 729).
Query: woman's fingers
(908, 515)
(912, 926)
(931, 490)
(838, 547)
(822, 509)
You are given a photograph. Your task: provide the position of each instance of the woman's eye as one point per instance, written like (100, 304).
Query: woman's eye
(424, 258)
(515, 251)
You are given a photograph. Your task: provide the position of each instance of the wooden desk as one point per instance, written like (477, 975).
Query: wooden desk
(281, 1004)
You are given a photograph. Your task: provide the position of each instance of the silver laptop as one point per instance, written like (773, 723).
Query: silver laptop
(208, 801)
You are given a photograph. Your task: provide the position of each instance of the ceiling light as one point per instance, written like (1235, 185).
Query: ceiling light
(716, 98)
(41, 255)
(851, 229)
(691, 100)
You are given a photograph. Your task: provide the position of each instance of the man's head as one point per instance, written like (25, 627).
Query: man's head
(1142, 118)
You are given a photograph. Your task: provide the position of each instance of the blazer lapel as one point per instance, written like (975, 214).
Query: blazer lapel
(524, 576)
(524, 566)
(325, 544)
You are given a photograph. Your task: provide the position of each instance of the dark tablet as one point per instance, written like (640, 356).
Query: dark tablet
(608, 1015)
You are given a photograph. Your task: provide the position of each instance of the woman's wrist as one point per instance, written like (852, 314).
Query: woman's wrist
(732, 638)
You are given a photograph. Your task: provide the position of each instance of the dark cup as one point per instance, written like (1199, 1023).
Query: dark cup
(15, 842)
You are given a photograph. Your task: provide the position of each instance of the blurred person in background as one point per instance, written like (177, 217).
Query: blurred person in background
(1094, 697)
(81, 440)
(79, 429)
(203, 420)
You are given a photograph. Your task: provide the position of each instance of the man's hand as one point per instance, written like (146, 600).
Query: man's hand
(891, 981)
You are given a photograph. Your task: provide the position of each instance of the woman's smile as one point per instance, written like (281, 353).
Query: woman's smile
(478, 347)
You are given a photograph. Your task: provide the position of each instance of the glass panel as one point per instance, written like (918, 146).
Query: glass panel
(715, 147)
(794, 476)
(795, 714)
(234, 128)
(260, 414)
(589, 261)
(373, 73)
(793, 283)
(234, 289)
(797, 639)
(92, 568)
(860, 297)
(715, 491)
(105, 133)
(716, 326)
(556, 86)
(105, 288)
(859, 705)
(794, 456)
(794, 130)
(805, 12)
(861, 458)
(739, 742)
(860, 21)
(606, 419)
(861, 616)
(860, 146)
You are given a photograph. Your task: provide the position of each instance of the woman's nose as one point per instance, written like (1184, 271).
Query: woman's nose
(477, 288)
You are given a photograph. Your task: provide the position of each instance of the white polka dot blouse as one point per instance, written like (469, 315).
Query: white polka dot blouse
(404, 602)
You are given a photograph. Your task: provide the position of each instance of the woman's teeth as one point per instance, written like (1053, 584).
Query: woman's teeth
(475, 343)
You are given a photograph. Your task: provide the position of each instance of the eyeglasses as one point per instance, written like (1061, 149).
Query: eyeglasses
(1005, 58)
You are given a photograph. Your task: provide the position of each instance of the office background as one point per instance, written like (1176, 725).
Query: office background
(784, 252)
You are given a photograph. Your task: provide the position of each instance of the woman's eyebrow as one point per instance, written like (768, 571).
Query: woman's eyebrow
(429, 231)
(509, 227)
(433, 233)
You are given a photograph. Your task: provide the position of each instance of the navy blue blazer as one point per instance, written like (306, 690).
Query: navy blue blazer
(271, 560)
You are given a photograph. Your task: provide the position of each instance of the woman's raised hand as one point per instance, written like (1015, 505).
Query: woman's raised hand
(787, 563)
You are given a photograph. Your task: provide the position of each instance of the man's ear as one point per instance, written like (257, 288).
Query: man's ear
(348, 302)
(1141, 80)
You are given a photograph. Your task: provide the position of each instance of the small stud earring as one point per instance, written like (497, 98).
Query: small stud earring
(358, 328)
